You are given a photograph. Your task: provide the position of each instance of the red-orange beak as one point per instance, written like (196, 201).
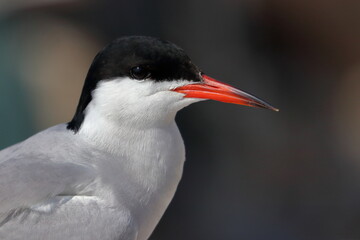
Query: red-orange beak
(215, 90)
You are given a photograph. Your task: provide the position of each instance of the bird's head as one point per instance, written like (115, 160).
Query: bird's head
(147, 80)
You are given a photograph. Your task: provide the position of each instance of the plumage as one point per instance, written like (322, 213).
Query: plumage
(85, 190)
(110, 172)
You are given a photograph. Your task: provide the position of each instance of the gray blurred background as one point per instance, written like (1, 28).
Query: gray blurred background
(250, 173)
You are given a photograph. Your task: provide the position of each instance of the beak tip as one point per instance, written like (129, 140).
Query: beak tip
(275, 109)
(267, 106)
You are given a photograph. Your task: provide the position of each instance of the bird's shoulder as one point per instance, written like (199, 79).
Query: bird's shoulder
(44, 165)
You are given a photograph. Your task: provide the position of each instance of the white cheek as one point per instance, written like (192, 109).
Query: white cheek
(128, 99)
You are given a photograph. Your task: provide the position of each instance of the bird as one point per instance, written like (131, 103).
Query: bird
(111, 171)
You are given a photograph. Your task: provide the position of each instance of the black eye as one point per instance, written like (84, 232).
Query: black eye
(139, 73)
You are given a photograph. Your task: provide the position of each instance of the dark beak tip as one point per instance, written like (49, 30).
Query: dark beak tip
(275, 109)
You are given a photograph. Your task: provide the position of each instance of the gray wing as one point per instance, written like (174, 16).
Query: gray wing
(27, 181)
(45, 192)
(46, 187)
(37, 169)
(79, 217)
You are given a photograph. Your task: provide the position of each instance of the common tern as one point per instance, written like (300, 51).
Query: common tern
(111, 171)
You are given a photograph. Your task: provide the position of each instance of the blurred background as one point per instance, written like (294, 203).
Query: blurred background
(250, 173)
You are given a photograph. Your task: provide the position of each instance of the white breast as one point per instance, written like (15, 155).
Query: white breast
(136, 145)
(139, 170)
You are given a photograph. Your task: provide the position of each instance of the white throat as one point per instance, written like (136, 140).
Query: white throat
(121, 107)
(134, 124)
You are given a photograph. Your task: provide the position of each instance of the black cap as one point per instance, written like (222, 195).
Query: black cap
(139, 58)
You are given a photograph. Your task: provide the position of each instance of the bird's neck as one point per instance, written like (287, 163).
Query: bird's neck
(150, 159)
(117, 135)
(156, 153)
